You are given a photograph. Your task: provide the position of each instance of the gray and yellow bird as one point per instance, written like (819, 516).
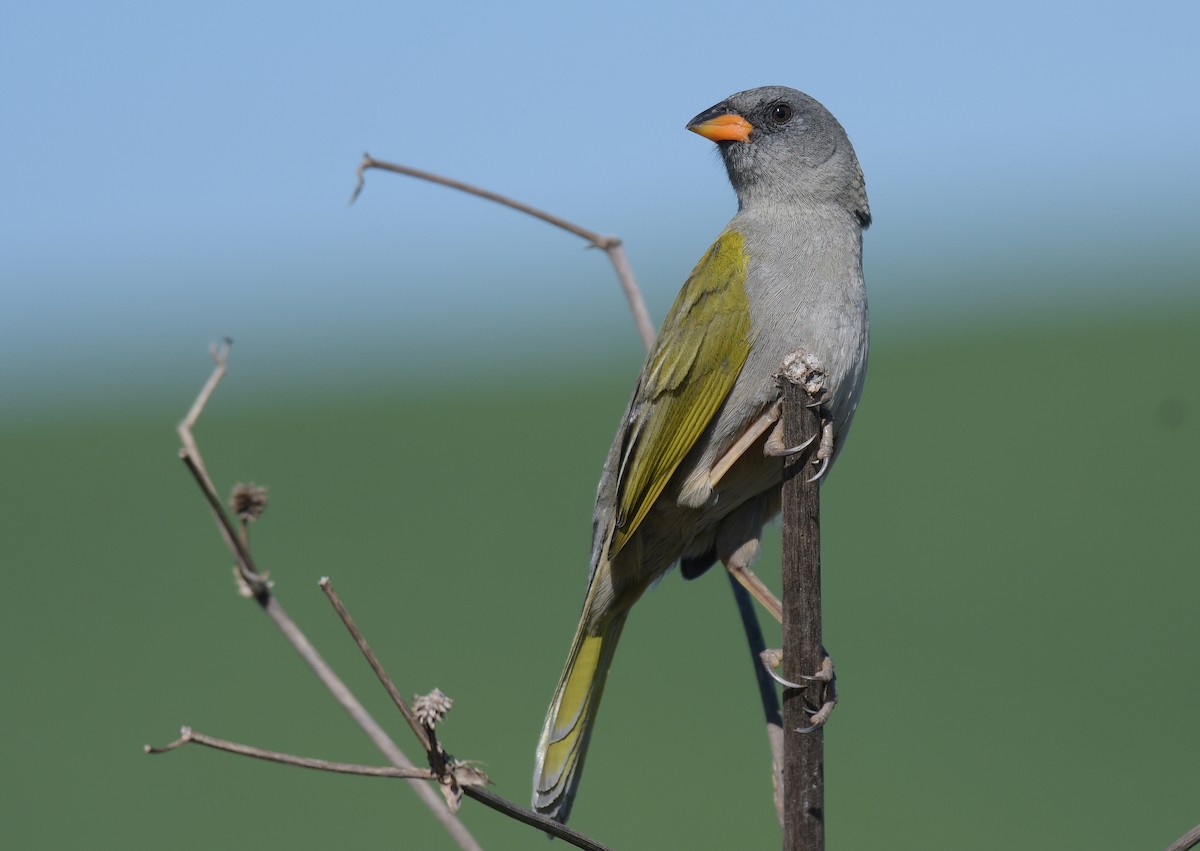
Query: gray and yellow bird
(689, 477)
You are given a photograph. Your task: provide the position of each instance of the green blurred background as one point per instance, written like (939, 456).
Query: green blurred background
(1011, 594)
(429, 386)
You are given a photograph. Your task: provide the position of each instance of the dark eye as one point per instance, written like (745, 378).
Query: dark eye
(781, 113)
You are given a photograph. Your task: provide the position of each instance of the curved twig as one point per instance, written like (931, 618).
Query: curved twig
(610, 244)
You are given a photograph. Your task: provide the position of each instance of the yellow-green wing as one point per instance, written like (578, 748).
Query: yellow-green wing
(700, 350)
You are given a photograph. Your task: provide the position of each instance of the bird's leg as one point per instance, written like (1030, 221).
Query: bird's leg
(769, 418)
(750, 581)
(772, 659)
(738, 542)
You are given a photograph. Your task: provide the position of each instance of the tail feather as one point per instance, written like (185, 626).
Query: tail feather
(569, 721)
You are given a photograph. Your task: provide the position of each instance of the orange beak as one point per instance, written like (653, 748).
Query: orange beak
(724, 128)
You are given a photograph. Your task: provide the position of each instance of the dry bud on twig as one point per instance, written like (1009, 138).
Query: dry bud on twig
(248, 502)
(432, 708)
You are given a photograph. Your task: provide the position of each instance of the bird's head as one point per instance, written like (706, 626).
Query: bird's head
(781, 146)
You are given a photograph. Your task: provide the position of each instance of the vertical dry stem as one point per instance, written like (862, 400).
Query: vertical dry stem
(804, 753)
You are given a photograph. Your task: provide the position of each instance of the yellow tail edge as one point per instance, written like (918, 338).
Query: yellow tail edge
(569, 720)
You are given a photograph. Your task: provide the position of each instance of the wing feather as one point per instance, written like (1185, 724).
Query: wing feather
(701, 348)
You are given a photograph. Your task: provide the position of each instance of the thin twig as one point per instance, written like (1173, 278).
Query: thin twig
(529, 817)
(261, 590)
(1189, 840)
(610, 244)
(188, 736)
(436, 757)
(370, 162)
(255, 581)
(376, 666)
(342, 694)
(220, 356)
(340, 691)
(191, 457)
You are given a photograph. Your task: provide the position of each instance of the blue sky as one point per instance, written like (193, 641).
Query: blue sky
(176, 172)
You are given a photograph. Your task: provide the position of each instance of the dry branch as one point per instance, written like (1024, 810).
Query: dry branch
(1189, 840)
(455, 778)
(419, 729)
(611, 245)
(803, 744)
(438, 759)
(188, 736)
(258, 586)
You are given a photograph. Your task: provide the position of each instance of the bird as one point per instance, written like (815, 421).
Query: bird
(693, 472)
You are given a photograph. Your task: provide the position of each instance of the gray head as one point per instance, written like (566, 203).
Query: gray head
(780, 145)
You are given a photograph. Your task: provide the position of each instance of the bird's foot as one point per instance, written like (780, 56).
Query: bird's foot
(805, 369)
(825, 676)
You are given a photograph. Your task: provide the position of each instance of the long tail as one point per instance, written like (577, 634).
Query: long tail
(569, 721)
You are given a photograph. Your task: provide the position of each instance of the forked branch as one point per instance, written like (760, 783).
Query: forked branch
(455, 778)
(257, 586)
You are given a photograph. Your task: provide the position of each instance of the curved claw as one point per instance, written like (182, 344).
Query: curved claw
(819, 718)
(782, 681)
(772, 659)
(822, 715)
(821, 677)
(821, 471)
(820, 400)
(784, 453)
